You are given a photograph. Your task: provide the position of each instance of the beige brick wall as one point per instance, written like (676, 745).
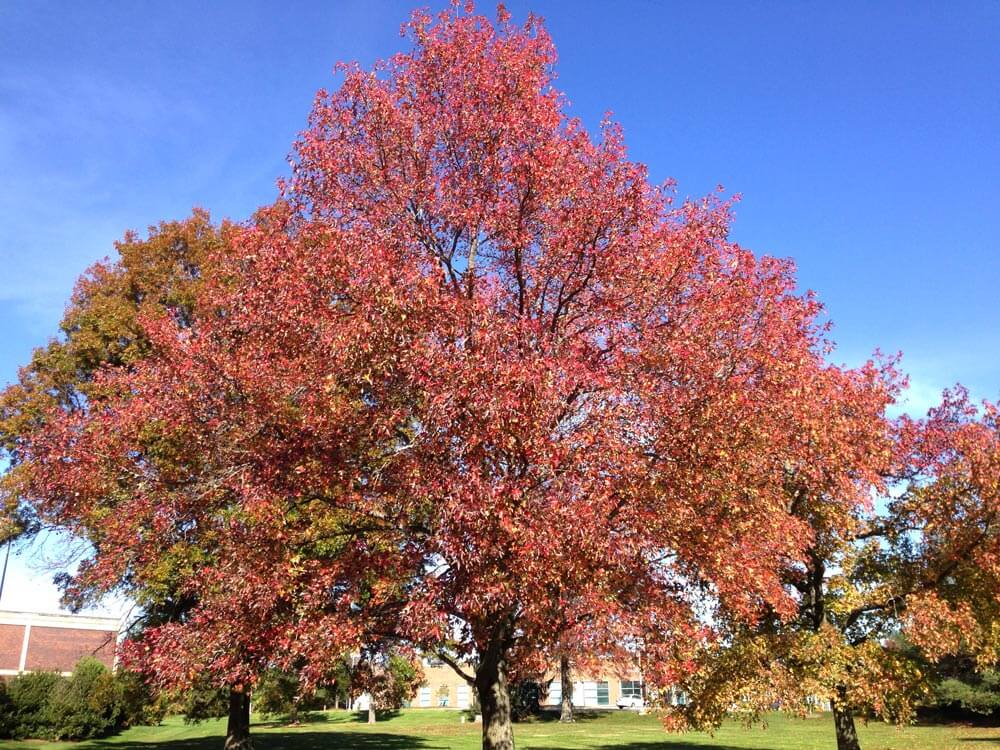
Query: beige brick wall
(580, 687)
(441, 682)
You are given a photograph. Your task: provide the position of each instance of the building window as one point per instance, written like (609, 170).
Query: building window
(631, 688)
(603, 697)
(555, 693)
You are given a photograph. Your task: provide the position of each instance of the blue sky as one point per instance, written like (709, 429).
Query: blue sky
(864, 138)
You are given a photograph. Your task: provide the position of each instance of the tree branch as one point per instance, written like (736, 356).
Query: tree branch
(455, 666)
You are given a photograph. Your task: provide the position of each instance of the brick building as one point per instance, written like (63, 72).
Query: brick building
(31, 642)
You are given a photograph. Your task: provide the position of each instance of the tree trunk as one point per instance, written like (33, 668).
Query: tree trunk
(371, 711)
(238, 727)
(566, 680)
(843, 721)
(494, 700)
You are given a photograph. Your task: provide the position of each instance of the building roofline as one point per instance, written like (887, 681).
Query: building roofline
(60, 620)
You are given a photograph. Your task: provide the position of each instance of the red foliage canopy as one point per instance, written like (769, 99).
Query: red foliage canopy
(473, 380)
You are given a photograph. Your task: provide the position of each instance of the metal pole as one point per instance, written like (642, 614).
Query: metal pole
(3, 577)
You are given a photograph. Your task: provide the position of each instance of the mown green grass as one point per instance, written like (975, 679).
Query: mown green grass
(441, 730)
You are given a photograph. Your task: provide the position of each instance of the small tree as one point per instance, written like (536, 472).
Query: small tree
(442, 695)
(923, 561)
(340, 686)
(389, 677)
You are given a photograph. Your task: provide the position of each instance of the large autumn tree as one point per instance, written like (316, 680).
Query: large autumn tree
(472, 381)
(920, 558)
(102, 331)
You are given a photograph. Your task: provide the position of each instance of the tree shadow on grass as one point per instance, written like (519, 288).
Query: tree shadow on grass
(319, 717)
(311, 717)
(546, 716)
(666, 745)
(302, 740)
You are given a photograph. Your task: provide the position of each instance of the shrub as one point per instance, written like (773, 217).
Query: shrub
(277, 693)
(92, 702)
(975, 692)
(140, 705)
(202, 701)
(86, 705)
(474, 708)
(524, 695)
(30, 697)
(7, 722)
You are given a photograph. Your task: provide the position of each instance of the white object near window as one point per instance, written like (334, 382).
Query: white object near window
(463, 696)
(425, 697)
(631, 688)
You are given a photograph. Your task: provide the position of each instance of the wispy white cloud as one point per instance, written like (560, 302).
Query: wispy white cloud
(919, 396)
(935, 364)
(930, 377)
(29, 586)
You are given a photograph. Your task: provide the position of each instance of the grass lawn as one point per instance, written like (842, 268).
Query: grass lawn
(442, 730)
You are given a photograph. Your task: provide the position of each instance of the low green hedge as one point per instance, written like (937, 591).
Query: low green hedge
(92, 702)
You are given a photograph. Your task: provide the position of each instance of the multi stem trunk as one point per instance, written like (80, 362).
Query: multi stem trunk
(238, 727)
(843, 720)
(566, 683)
